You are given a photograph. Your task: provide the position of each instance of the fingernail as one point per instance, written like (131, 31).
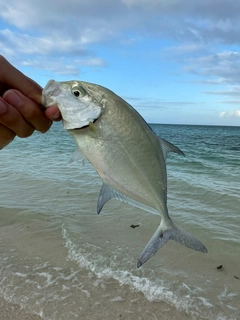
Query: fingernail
(3, 107)
(56, 116)
(13, 98)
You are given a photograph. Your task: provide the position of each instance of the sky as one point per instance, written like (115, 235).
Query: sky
(176, 62)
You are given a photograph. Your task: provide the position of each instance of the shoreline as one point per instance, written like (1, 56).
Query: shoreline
(9, 311)
(28, 235)
(114, 307)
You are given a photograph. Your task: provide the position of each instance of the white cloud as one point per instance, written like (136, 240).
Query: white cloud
(230, 114)
(94, 21)
(198, 31)
(223, 67)
(184, 49)
(18, 14)
(150, 3)
(62, 66)
(230, 102)
(186, 20)
(57, 67)
(28, 44)
(148, 103)
(233, 91)
(48, 53)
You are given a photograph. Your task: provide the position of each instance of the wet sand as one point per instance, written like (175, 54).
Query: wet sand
(14, 312)
(129, 306)
(23, 237)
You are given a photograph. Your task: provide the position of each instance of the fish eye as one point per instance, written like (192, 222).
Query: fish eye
(78, 93)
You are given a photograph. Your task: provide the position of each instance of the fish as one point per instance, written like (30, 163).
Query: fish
(126, 153)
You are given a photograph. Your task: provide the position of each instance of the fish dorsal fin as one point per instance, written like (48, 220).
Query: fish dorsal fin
(169, 147)
(77, 157)
(108, 193)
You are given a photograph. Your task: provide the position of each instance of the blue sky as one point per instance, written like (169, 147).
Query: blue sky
(174, 61)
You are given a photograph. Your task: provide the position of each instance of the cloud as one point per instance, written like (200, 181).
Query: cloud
(58, 67)
(184, 50)
(88, 19)
(211, 68)
(107, 19)
(230, 114)
(62, 66)
(233, 91)
(218, 68)
(148, 103)
(47, 31)
(32, 45)
(230, 102)
(48, 53)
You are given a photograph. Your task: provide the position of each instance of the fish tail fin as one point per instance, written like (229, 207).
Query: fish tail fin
(165, 232)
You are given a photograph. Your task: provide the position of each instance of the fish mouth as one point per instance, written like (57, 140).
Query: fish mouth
(90, 125)
(49, 93)
(78, 114)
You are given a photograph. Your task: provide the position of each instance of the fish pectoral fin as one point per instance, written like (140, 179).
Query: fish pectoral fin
(163, 234)
(77, 157)
(169, 147)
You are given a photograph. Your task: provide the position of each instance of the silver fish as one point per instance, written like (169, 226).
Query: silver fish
(126, 153)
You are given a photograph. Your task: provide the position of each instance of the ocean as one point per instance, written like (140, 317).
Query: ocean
(62, 261)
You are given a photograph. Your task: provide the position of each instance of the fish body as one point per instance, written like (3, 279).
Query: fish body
(126, 153)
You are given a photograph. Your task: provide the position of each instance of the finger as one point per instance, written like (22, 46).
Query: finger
(10, 77)
(53, 113)
(6, 136)
(29, 110)
(12, 119)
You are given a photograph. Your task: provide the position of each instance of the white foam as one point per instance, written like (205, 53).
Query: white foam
(152, 290)
(118, 298)
(205, 301)
(190, 299)
(22, 275)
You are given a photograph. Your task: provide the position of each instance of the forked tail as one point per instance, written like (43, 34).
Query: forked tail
(165, 233)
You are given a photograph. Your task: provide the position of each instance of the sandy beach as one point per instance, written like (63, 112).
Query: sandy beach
(72, 292)
(102, 299)
(14, 312)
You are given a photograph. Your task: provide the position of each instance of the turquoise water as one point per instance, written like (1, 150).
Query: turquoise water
(55, 250)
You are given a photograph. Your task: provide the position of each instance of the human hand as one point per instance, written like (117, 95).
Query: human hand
(20, 105)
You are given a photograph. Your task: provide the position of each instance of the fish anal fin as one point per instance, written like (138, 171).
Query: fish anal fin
(163, 234)
(107, 193)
